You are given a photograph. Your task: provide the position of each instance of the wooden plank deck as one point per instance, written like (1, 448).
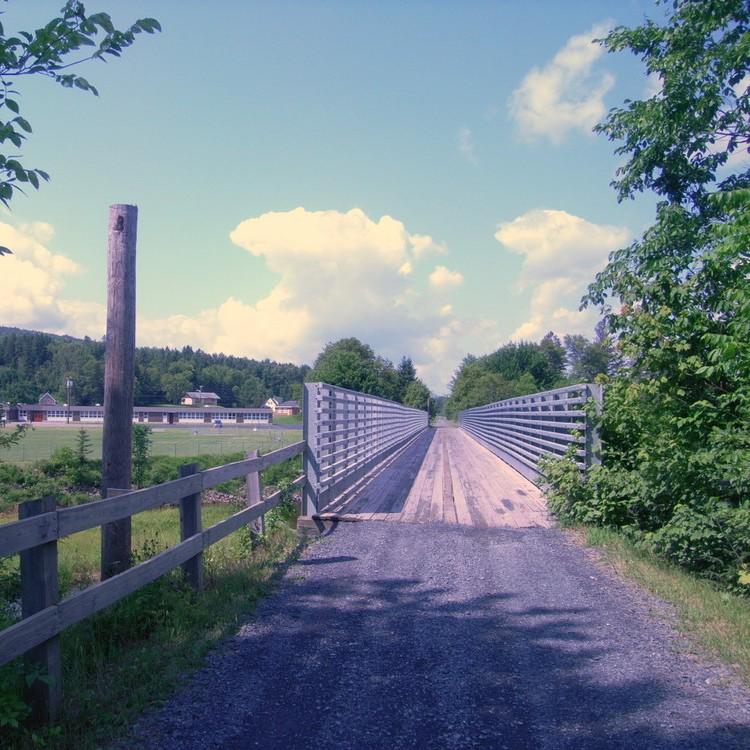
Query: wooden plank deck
(446, 476)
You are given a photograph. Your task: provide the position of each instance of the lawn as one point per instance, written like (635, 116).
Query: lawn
(293, 419)
(41, 442)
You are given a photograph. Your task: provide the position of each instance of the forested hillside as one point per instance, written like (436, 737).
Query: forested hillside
(32, 363)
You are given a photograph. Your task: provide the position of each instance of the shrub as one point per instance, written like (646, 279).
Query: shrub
(712, 542)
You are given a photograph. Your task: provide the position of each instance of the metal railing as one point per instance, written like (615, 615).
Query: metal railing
(347, 434)
(521, 430)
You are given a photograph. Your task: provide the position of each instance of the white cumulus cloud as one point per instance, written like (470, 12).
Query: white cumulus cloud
(33, 279)
(561, 253)
(564, 94)
(339, 274)
(444, 278)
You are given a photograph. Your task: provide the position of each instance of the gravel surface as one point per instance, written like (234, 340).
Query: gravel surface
(390, 636)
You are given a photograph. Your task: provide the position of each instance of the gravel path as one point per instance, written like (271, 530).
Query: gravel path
(390, 636)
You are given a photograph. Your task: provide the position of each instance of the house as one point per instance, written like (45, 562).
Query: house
(205, 415)
(47, 399)
(272, 403)
(287, 408)
(200, 398)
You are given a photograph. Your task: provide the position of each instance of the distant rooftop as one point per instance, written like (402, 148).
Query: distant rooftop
(202, 394)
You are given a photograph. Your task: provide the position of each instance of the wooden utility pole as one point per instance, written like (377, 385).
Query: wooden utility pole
(118, 379)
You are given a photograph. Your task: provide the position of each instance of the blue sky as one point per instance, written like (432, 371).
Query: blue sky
(421, 175)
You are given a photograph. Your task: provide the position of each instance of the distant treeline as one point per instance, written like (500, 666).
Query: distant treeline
(517, 369)
(32, 363)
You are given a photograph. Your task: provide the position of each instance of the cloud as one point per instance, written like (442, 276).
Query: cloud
(339, 274)
(32, 279)
(564, 95)
(561, 253)
(466, 144)
(444, 278)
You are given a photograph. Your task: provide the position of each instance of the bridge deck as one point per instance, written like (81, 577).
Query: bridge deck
(446, 476)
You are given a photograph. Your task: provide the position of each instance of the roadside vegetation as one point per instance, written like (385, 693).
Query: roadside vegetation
(675, 471)
(127, 657)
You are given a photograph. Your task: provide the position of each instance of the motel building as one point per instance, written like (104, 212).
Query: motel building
(49, 410)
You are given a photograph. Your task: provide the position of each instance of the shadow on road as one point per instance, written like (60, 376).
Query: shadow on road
(397, 662)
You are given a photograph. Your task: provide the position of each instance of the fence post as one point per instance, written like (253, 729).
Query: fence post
(593, 438)
(254, 496)
(190, 525)
(39, 590)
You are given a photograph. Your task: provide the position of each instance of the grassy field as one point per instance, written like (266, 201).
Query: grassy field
(293, 419)
(153, 532)
(41, 442)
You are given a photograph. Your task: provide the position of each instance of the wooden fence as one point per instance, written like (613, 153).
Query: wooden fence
(347, 434)
(41, 524)
(521, 430)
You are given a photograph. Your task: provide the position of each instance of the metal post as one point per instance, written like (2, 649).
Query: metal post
(593, 438)
(69, 387)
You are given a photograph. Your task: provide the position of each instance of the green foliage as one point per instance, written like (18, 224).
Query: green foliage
(585, 359)
(512, 370)
(141, 452)
(7, 439)
(49, 52)
(675, 427)
(713, 542)
(349, 363)
(32, 363)
(417, 395)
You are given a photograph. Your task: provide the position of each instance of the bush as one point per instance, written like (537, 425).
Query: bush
(712, 542)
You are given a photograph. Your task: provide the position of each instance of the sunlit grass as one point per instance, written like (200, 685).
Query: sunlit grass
(42, 441)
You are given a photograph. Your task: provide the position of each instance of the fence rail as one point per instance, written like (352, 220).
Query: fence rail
(41, 524)
(521, 430)
(347, 434)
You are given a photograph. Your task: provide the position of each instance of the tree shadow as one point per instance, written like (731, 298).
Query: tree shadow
(395, 662)
(387, 490)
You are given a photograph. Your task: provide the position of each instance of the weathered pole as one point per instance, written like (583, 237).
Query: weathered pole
(118, 379)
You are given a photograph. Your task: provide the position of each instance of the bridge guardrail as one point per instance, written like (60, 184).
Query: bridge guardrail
(347, 434)
(520, 430)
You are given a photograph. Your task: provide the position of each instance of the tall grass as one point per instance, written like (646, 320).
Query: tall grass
(133, 654)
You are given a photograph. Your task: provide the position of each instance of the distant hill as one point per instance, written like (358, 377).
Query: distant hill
(32, 362)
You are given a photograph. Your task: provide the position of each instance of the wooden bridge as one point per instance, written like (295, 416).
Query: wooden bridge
(365, 458)
(369, 459)
(443, 475)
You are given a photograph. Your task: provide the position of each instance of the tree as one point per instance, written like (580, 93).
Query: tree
(349, 363)
(407, 374)
(141, 452)
(676, 443)
(587, 359)
(9, 439)
(50, 52)
(684, 286)
(418, 396)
